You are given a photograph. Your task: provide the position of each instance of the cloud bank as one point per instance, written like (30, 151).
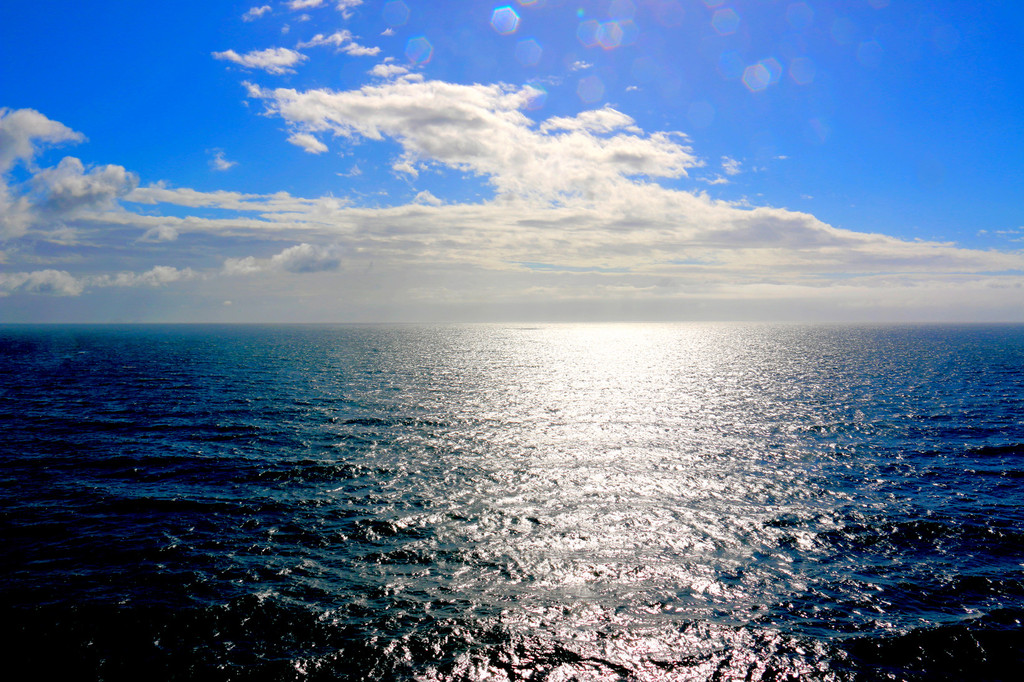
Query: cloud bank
(587, 211)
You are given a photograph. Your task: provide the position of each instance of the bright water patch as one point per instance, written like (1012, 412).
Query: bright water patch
(645, 502)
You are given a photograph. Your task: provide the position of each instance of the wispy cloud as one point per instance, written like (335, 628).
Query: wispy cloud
(219, 163)
(274, 60)
(345, 7)
(255, 13)
(343, 41)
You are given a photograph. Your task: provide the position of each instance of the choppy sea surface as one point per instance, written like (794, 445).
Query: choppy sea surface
(509, 502)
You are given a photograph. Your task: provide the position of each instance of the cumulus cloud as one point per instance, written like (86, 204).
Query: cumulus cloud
(481, 129)
(274, 60)
(731, 166)
(255, 13)
(157, 276)
(50, 282)
(304, 4)
(24, 131)
(50, 195)
(63, 283)
(388, 70)
(23, 134)
(578, 214)
(69, 187)
(302, 258)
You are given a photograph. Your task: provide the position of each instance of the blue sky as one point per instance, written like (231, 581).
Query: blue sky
(347, 160)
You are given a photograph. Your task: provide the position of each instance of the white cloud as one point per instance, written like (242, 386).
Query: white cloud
(388, 70)
(343, 41)
(50, 282)
(345, 5)
(576, 218)
(160, 233)
(70, 187)
(357, 50)
(23, 134)
(219, 163)
(255, 13)
(269, 204)
(299, 259)
(304, 4)
(731, 166)
(337, 39)
(23, 131)
(307, 142)
(481, 129)
(63, 283)
(274, 60)
(157, 276)
(426, 197)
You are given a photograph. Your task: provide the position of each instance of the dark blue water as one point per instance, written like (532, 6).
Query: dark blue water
(579, 502)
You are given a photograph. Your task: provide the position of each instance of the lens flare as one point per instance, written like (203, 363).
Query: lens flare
(505, 20)
(590, 89)
(800, 16)
(587, 32)
(756, 77)
(395, 13)
(528, 52)
(730, 65)
(419, 50)
(802, 70)
(725, 21)
(609, 35)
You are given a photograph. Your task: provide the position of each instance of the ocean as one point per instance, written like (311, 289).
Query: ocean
(512, 502)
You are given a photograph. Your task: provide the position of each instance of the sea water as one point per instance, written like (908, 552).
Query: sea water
(512, 502)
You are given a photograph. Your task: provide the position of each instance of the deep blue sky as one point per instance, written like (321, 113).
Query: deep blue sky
(607, 159)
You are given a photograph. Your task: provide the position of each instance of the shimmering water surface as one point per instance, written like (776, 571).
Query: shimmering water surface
(488, 502)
